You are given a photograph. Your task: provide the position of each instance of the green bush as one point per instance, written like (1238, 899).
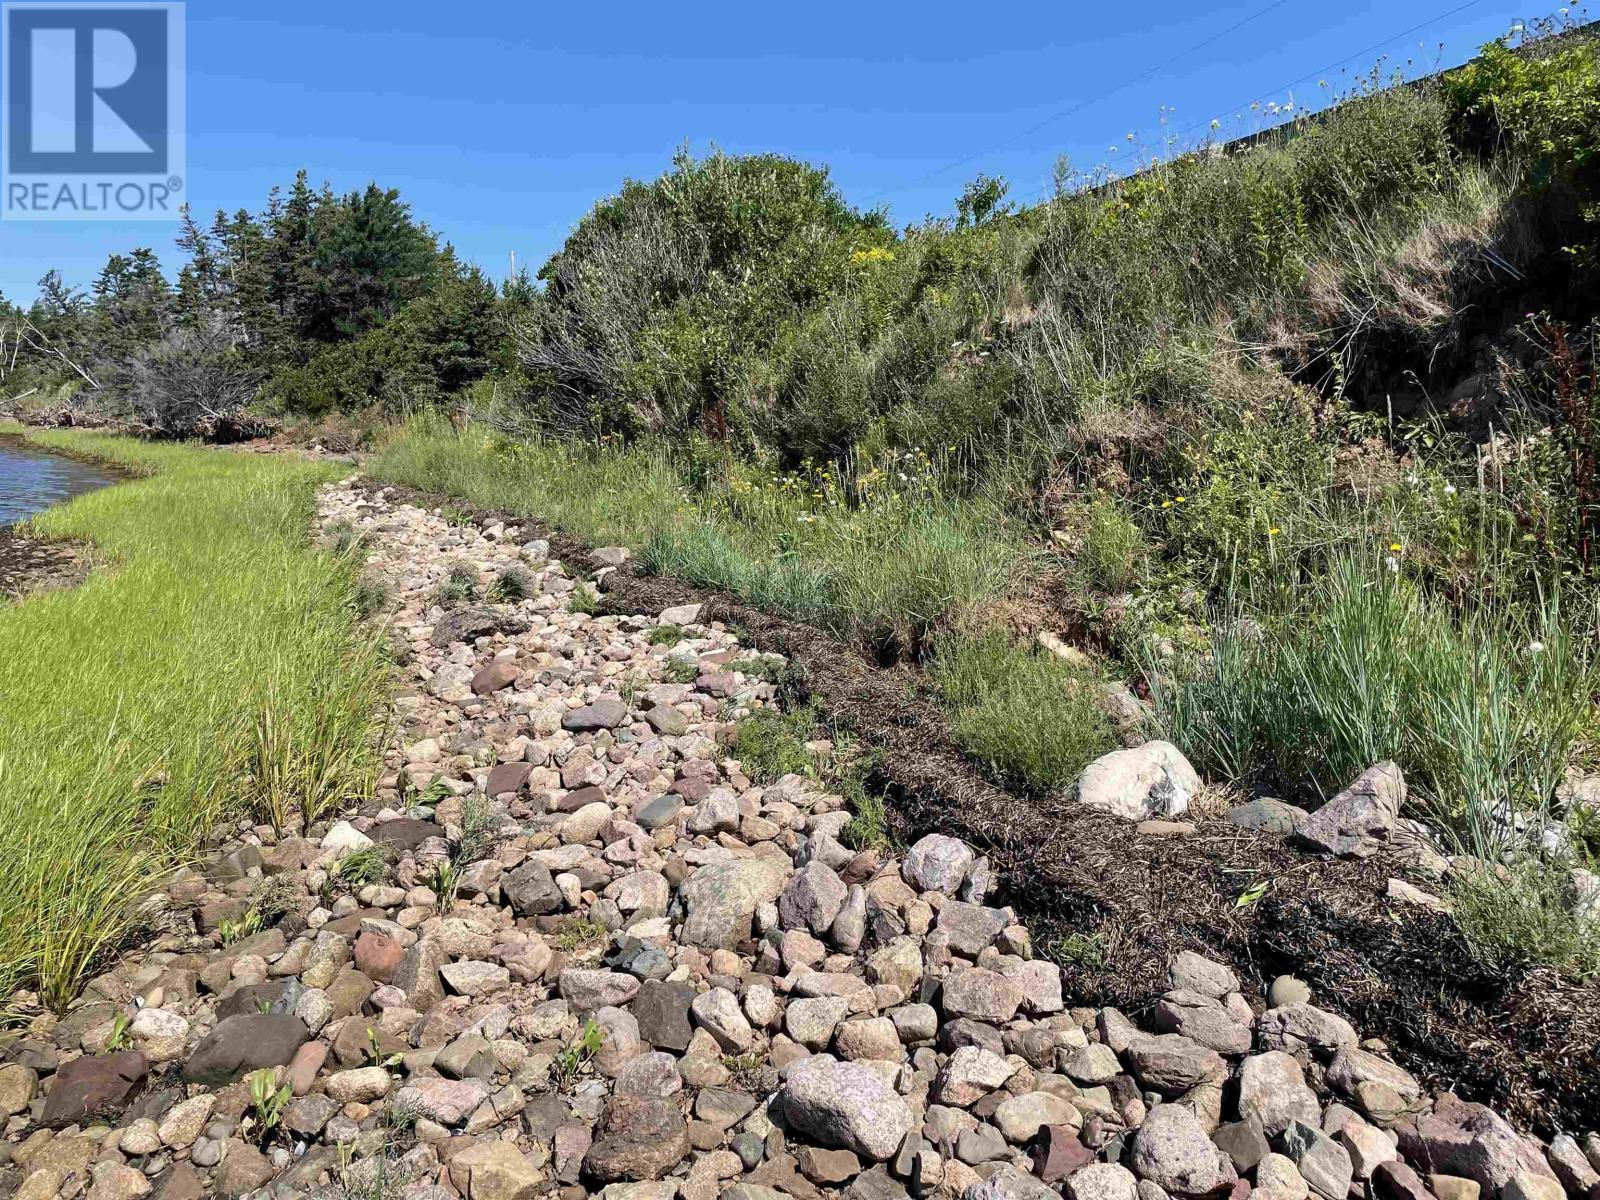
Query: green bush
(1511, 917)
(1036, 721)
(770, 744)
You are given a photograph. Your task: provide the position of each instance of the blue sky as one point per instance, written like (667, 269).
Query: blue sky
(502, 123)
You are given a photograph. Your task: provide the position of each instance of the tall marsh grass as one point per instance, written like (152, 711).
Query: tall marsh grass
(213, 667)
(1480, 710)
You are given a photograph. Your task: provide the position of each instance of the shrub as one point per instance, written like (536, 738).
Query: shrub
(1519, 915)
(1036, 721)
(188, 385)
(1112, 547)
(511, 586)
(460, 584)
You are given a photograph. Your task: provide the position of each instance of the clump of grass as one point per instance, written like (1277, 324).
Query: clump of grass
(776, 671)
(460, 584)
(1035, 720)
(666, 635)
(869, 812)
(584, 599)
(371, 595)
(770, 744)
(268, 1099)
(1112, 547)
(1521, 914)
(1481, 712)
(370, 864)
(511, 586)
(573, 1060)
(276, 896)
(231, 931)
(1084, 950)
(480, 828)
(342, 537)
(214, 667)
(680, 670)
(579, 933)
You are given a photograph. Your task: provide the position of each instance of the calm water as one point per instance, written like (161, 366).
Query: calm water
(31, 480)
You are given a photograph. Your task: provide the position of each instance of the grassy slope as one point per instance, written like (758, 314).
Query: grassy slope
(906, 561)
(214, 667)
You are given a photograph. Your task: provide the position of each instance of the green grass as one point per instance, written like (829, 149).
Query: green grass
(867, 555)
(212, 667)
(1036, 721)
(1481, 711)
(770, 744)
(1523, 917)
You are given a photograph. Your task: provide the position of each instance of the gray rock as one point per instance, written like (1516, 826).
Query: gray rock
(1474, 1142)
(937, 864)
(1191, 972)
(587, 989)
(1008, 1183)
(1358, 821)
(1171, 1064)
(1576, 1173)
(721, 898)
(418, 974)
(245, 1043)
(1351, 1067)
(969, 1075)
(659, 812)
(1268, 816)
(1171, 1150)
(666, 720)
(981, 1144)
(846, 1105)
(812, 900)
(1204, 1020)
(1103, 1181)
(605, 713)
(1322, 1162)
(662, 1010)
(531, 890)
(980, 994)
(717, 1011)
(640, 1138)
(469, 624)
(1152, 780)
(1301, 1026)
(971, 928)
(1273, 1092)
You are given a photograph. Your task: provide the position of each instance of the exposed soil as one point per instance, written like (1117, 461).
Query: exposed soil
(1526, 1040)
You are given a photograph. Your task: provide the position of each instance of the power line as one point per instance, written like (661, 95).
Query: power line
(1081, 105)
(1444, 16)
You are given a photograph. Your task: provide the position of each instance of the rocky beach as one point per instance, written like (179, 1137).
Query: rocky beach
(571, 948)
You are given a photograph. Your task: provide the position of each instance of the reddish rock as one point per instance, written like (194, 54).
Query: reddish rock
(96, 1085)
(1057, 1153)
(378, 955)
(304, 1066)
(497, 675)
(507, 777)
